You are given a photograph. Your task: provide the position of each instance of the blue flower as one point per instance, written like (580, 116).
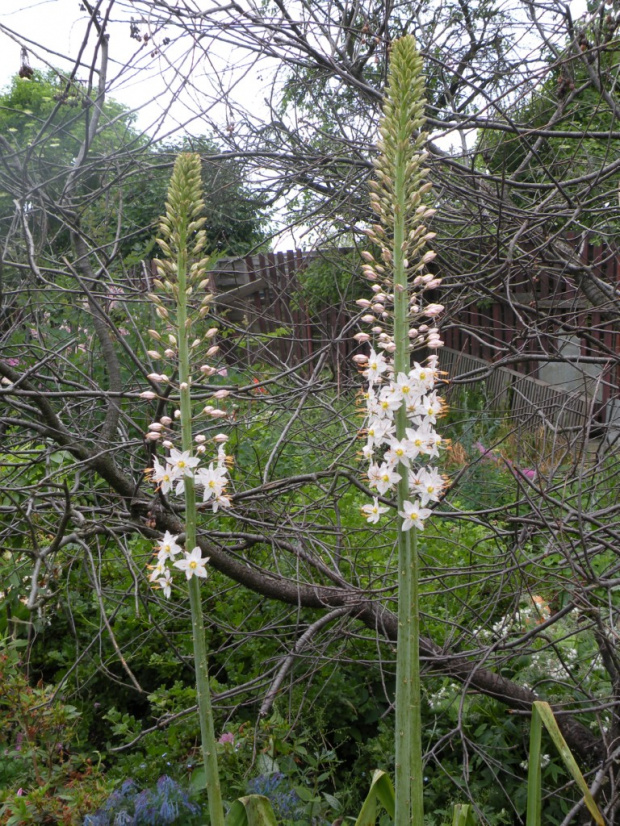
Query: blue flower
(284, 800)
(165, 805)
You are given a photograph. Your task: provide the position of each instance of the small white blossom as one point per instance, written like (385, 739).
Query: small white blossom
(373, 512)
(193, 564)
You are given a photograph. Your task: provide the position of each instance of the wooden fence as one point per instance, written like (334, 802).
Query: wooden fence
(533, 317)
(269, 322)
(268, 318)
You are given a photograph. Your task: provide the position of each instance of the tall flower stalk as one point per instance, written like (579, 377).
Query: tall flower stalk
(180, 276)
(402, 405)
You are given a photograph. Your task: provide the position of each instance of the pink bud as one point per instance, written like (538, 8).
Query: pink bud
(148, 394)
(433, 310)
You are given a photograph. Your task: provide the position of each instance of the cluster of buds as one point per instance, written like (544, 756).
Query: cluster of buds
(181, 276)
(402, 405)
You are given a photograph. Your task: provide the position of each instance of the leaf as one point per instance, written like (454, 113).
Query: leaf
(332, 801)
(252, 810)
(463, 815)
(198, 780)
(381, 790)
(546, 715)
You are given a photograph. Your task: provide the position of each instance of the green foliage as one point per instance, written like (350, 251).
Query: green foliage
(47, 772)
(333, 280)
(566, 102)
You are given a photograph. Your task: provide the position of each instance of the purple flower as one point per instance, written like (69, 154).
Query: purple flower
(227, 737)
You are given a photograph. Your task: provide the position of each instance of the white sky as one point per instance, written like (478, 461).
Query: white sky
(56, 28)
(59, 26)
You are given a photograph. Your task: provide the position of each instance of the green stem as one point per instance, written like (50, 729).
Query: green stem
(409, 806)
(203, 691)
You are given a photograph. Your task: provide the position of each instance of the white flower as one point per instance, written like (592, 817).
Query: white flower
(423, 440)
(193, 564)
(405, 389)
(376, 366)
(430, 485)
(423, 376)
(220, 501)
(378, 430)
(373, 512)
(213, 480)
(384, 478)
(157, 570)
(430, 407)
(163, 476)
(165, 583)
(413, 515)
(400, 451)
(168, 547)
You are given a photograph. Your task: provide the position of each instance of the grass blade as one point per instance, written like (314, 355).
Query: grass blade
(546, 715)
(381, 790)
(463, 815)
